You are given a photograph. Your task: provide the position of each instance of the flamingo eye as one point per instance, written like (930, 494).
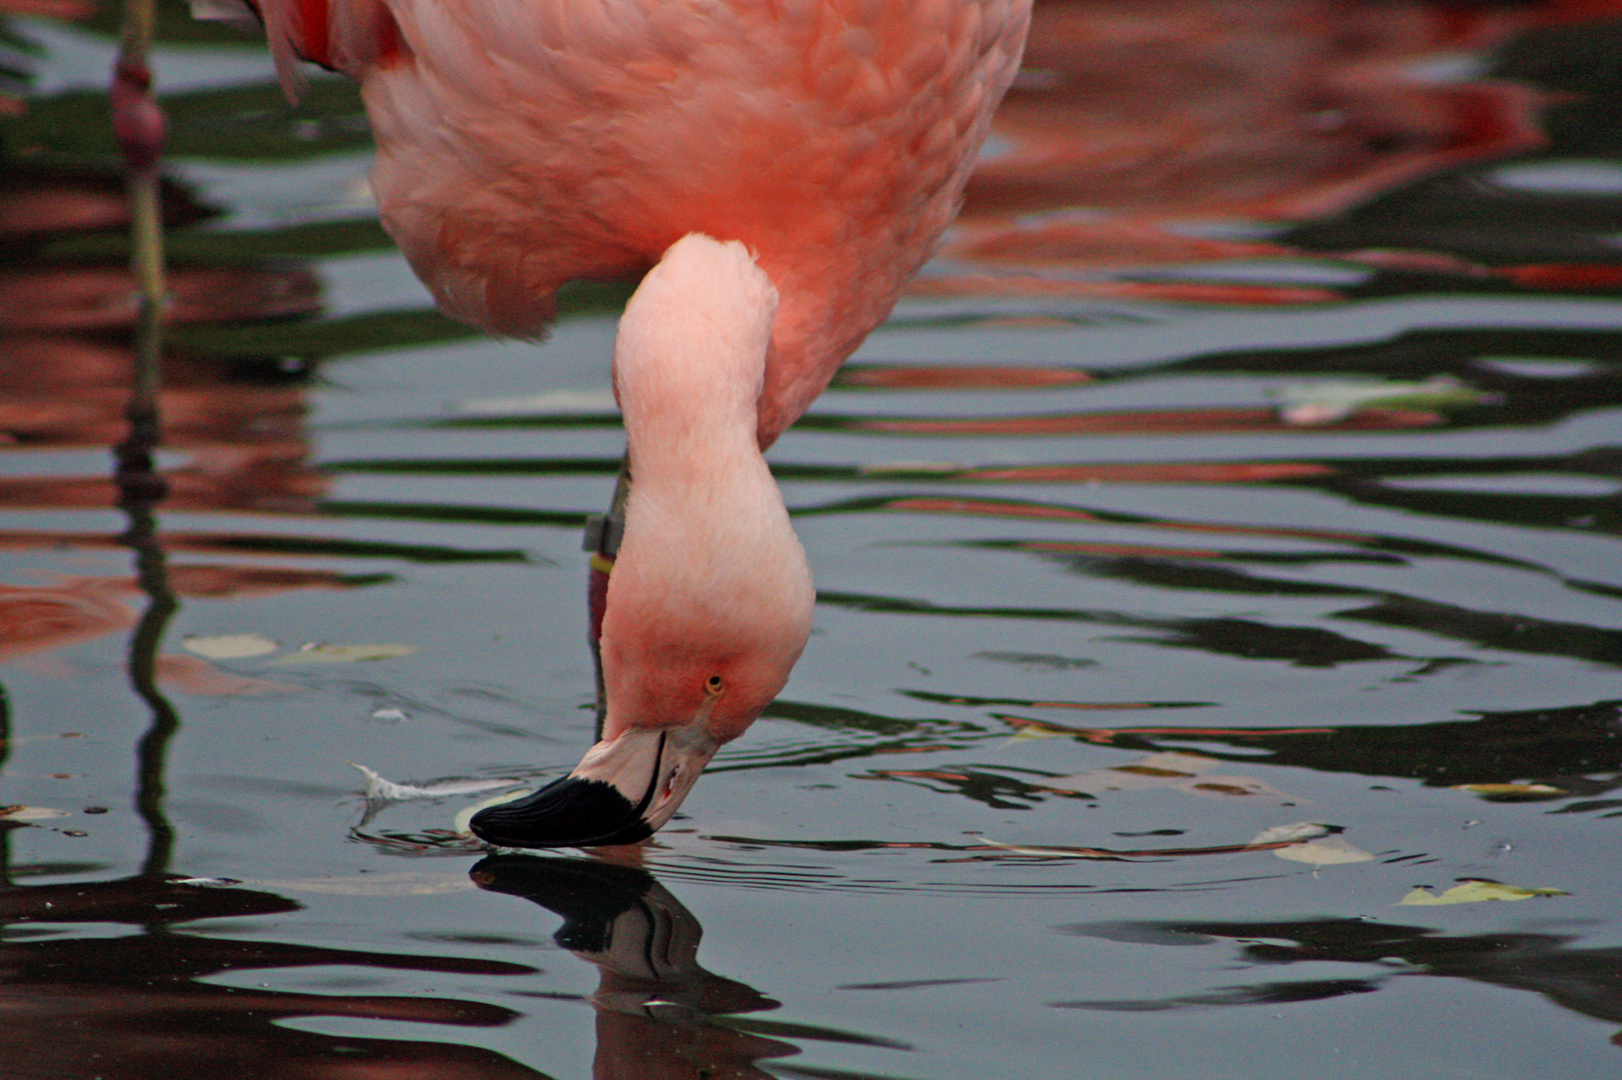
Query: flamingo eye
(714, 684)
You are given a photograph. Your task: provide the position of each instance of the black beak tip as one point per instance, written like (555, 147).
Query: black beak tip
(569, 812)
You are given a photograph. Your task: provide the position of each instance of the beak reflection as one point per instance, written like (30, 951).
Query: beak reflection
(659, 1013)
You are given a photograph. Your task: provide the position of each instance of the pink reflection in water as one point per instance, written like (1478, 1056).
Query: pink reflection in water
(1140, 130)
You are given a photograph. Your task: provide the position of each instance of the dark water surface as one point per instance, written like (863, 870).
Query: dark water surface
(1264, 410)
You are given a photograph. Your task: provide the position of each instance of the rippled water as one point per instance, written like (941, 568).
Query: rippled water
(1249, 458)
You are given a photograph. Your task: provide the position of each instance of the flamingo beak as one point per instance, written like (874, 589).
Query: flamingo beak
(622, 791)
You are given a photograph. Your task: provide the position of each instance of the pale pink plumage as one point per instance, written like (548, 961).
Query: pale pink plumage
(526, 143)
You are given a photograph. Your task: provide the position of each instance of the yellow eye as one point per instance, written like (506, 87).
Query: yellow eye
(714, 684)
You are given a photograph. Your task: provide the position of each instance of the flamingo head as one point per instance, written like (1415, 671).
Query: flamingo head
(683, 676)
(709, 603)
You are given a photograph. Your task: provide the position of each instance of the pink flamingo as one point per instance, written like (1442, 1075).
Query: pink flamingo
(777, 169)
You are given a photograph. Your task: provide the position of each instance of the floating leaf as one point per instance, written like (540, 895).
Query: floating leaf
(1310, 842)
(1290, 834)
(1308, 404)
(30, 813)
(1326, 851)
(1512, 791)
(1471, 892)
(344, 654)
(400, 883)
(379, 788)
(1037, 731)
(1182, 772)
(230, 646)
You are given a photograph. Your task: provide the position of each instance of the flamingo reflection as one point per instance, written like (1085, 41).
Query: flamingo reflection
(656, 1006)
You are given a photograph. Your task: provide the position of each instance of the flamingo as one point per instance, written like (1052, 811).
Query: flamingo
(773, 171)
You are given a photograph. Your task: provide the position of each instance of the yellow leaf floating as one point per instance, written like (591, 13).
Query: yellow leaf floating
(30, 813)
(1472, 892)
(400, 883)
(1026, 732)
(230, 646)
(1291, 834)
(1511, 791)
(344, 654)
(1327, 851)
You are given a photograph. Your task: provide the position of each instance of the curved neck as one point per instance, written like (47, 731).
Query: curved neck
(690, 358)
(710, 579)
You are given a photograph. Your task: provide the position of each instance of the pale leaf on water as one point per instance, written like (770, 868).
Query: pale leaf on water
(399, 883)
(29, 813)
(1189, 773)
(1326, 851)
(1290, 834)
(1036, 731)
(378, 787)
(1472, 892)
(229, 646)
(344, 654)
(1326, 401)
(1512, 791)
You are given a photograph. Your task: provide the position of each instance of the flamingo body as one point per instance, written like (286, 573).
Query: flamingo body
(526, 143)
(778, 169)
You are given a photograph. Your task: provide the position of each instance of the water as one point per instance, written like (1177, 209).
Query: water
(1061, 521)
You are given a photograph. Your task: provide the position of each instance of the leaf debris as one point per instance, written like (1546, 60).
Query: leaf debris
(1471, 891)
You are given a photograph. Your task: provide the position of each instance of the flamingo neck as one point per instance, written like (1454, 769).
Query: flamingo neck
(690, 357)
(710, 578)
